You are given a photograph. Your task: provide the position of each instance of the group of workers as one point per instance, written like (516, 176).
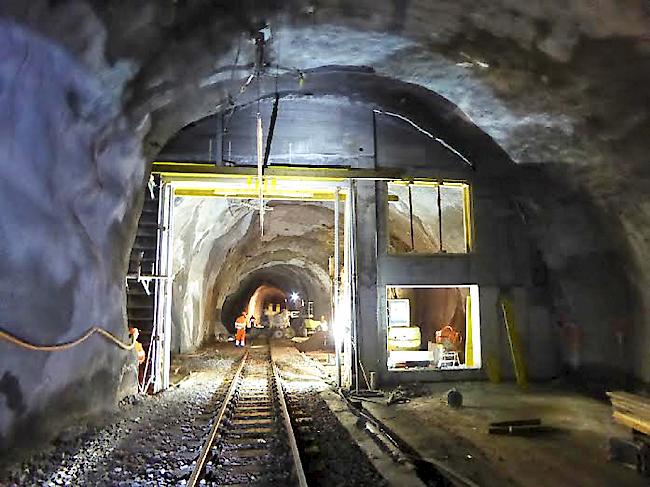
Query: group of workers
(242, 323)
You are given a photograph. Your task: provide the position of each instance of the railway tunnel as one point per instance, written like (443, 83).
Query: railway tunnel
(459, 190)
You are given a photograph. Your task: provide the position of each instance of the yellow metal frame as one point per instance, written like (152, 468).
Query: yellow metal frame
(181, 170)
(210, 181)
(281, 195)
(469, 332)
(467, 209)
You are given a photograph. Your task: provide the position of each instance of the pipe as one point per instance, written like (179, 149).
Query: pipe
(337, 324)
(354, 286)
(411, 218)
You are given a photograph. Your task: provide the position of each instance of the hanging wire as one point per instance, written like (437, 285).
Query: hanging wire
(57, 347)
(427, 133)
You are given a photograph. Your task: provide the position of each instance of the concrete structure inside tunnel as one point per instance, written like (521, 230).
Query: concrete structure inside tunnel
(443, 192)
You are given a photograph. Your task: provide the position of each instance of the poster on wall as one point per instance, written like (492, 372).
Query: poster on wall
(399, 312)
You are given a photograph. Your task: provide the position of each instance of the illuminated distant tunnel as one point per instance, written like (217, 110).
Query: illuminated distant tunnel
(276, 284)
(222, 260)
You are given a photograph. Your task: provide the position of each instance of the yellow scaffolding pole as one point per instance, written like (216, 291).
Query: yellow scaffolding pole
(515, 343)
(469, 339)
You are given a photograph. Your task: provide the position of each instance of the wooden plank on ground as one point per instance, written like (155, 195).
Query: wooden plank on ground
(631, 410)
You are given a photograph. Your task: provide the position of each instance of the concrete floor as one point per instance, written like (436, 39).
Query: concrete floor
(573, 454)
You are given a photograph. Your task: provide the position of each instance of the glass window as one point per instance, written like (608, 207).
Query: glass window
(428, 218)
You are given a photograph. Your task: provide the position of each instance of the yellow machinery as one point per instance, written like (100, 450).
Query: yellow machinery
(401, 336)
(313, 326)
(404, 338)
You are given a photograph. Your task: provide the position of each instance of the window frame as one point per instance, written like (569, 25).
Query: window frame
(468, 224)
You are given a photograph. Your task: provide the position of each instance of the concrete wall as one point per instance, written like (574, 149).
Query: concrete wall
(577, 288)
(497, 261)
(501, 263)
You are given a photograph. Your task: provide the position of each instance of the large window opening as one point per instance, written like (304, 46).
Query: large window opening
(428, 218)
(433, 327)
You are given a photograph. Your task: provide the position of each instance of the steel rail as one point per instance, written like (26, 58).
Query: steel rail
(195, 478)
(297, 463)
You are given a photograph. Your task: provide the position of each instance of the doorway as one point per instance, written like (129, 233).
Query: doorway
(433, 327)
(266, 228)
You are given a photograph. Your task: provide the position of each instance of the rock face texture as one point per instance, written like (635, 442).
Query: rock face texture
(221, 258)
(205, 231)
(70, 170)
(562, 87)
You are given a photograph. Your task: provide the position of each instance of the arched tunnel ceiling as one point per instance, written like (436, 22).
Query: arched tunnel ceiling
(557, 85)
(531, 74)
(554, 83)
(334, 112)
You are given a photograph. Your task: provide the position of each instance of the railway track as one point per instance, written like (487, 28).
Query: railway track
(251, 441)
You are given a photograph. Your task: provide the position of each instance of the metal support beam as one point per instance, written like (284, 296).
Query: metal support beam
(260, 170)
(186, 170)
(336, 282)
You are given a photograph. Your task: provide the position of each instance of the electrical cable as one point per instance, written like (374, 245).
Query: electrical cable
(8, 337)
(427, 133)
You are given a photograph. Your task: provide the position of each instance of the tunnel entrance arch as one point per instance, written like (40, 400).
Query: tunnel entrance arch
(272, 267)
(285, 286)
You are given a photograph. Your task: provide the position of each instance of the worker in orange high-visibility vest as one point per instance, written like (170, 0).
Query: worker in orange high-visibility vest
(140, 353)
(138, 346)
(240, 327)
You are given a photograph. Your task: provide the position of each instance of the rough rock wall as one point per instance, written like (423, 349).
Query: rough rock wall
(71, 170)
(292, 255)
(205, 231)
(584, 276)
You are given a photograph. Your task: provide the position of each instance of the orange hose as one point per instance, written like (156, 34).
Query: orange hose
(64, 346)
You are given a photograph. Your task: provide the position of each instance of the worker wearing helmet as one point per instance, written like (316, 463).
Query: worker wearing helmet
(139, 349)
(137, 345)
(240, 327)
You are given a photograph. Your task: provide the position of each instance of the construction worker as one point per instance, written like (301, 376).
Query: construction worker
(240, 326)
(252, 323)
(138, 346)
(139, 349)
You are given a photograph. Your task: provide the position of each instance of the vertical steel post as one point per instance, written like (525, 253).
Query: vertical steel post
(260, 169)
(411, 218)
(346, 306)
(161, 341)
(337, 268)
(354, 280)
(167, 322)
(440, 217)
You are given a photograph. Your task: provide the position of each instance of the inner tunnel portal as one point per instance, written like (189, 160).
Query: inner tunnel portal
(223, 265)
